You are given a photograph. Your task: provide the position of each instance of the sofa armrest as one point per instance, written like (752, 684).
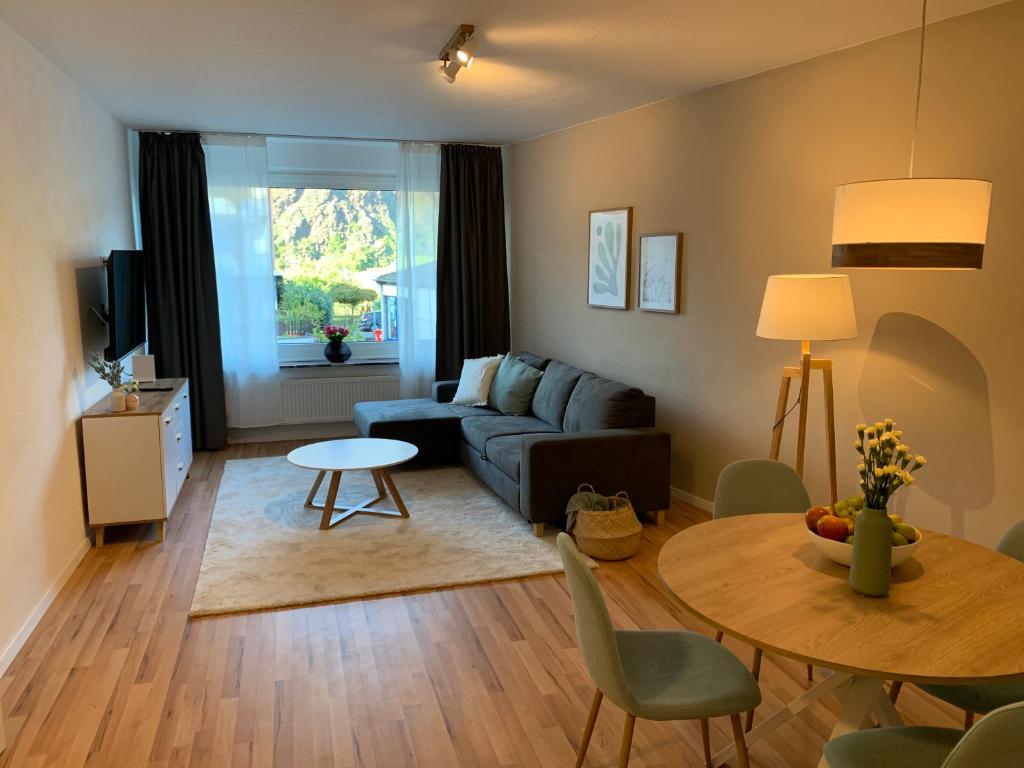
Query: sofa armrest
(552, 467)
(444, 391)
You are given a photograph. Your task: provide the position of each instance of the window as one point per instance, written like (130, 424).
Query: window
(334, 263)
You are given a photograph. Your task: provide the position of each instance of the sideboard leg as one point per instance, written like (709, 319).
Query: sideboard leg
(538, 530)
(98, 530)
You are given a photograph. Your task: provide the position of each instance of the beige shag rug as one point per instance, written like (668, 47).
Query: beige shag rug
(265, 550)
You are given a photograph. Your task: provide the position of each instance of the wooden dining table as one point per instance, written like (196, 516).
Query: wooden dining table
(955, 613)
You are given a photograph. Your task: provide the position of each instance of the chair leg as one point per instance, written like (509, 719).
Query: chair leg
(755, 670)
(705, 737)
(627, 740)
(810, 673)
(719, 635)
(588, 729)
(894, 690)
(968, 720)
(741, 743)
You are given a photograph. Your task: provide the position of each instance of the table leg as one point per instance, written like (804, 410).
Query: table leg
(798, 705)
(332, 494)
(377, 481)
(332, 515)
(316, 487)
(393, 489)
(886, 712)
(856, 705)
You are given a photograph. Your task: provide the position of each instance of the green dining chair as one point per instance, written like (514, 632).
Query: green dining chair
(985, 697)
(997, 741)
(755, 486)
(653, 674)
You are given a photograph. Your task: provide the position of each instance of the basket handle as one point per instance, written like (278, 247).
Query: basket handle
(585, 487)
(622, 495)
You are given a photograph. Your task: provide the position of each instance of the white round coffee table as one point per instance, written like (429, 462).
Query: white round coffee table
(337, 456)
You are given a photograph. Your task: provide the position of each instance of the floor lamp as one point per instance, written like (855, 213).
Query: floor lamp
(807, 308)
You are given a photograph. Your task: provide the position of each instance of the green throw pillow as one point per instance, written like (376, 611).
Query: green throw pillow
(513, 387)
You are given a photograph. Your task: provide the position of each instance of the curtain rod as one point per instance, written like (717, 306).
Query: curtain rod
(305, 136)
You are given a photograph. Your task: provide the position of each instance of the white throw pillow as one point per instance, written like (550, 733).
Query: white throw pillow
(475, 382)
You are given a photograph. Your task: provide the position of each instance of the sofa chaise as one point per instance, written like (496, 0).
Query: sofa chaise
(582, 428)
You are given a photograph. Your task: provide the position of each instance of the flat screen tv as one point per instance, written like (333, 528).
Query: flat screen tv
(126, 303)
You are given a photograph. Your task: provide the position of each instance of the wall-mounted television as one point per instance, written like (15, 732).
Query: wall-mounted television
(126, 303)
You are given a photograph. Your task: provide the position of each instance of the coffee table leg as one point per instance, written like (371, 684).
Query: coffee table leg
(332, 494)
(390, 483)
(316, 487)
(378, 482)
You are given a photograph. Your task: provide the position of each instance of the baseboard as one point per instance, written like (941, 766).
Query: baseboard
(692, 500)
(22, 635)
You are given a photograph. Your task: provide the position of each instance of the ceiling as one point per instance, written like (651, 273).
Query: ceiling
(367, 70)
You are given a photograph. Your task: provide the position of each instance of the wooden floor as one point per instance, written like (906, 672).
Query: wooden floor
(117, 675)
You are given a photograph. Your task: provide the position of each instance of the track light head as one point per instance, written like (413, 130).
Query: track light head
(466, 53)
(448, 70)
(457, 53)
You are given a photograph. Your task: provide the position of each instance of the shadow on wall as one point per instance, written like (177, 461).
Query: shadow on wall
(925, 378)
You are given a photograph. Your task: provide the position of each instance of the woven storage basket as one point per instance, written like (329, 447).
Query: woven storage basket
(608, 534)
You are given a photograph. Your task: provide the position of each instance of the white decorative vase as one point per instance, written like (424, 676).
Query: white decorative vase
(117, 401)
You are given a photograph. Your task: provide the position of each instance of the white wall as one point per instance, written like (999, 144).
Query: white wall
(747, 171)
(64, 203)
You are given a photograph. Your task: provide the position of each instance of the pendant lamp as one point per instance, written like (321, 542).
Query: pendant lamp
(911, 223)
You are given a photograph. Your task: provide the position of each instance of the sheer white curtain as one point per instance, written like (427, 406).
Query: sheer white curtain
(419, 179)
(236, 173)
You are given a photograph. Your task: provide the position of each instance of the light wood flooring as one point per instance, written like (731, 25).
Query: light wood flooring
(117, 675)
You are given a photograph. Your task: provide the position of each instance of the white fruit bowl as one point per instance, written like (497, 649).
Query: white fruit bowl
(842, 553)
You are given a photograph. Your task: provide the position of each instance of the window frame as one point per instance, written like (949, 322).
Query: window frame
(334, 164)
(301, 351)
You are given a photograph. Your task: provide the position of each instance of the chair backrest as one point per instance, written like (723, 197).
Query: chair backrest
(594, 629)
(995, 741)
(1012, 542)
(758, 485)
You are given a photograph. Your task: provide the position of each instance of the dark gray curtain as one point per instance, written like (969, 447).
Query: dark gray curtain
(472, 276)
(181, 281)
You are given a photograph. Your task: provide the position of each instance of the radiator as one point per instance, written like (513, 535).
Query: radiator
(308, 401)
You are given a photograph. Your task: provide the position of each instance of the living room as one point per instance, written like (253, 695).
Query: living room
(485, 386)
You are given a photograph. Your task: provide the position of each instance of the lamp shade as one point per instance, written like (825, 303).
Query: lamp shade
(911, 223)
(807, 308)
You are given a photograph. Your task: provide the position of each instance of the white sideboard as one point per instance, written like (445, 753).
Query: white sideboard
(136, 462)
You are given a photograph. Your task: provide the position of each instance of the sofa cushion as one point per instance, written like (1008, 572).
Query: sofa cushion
(598, 403)
(475, 381)
(532, 360)
(553, 392)
(504, 453)
(478, 430)
(513, 387)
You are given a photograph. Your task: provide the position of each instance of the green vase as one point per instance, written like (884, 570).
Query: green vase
(871, 569)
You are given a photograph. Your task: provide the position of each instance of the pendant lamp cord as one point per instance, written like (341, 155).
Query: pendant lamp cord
(920, 77)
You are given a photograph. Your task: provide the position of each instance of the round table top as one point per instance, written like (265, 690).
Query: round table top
(955, 613)
(353, 453)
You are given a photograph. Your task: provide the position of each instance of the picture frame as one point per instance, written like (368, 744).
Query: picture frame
(609, 258)
(659, 283)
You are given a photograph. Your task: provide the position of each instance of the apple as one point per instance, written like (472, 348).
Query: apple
(814, 514)
(833, 527)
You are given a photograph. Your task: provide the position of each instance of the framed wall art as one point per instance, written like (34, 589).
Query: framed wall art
(661, 258)
(611, 235)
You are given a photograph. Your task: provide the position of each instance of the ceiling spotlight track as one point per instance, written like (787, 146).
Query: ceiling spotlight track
(457, 53)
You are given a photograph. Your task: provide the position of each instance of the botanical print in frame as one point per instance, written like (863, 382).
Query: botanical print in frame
(611, 235)
(660, 258)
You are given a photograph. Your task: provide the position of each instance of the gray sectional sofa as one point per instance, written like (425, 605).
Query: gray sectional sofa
(582, 429)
